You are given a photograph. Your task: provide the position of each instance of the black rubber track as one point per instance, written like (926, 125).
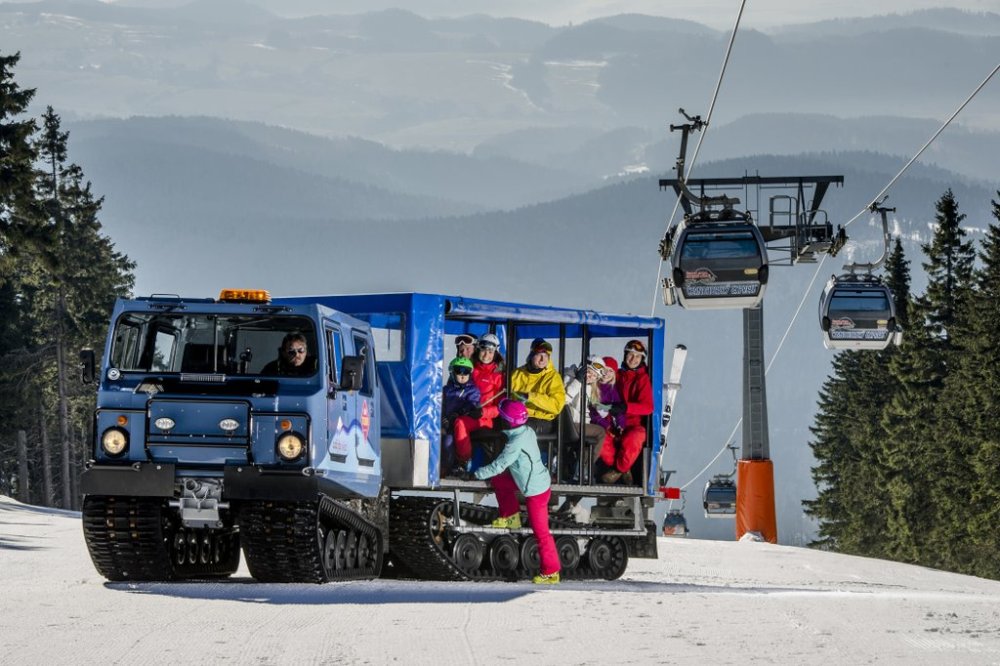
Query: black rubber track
(135, 539)
(291, 542)
(422, 541)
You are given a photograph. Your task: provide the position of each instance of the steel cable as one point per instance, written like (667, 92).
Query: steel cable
(701, 137)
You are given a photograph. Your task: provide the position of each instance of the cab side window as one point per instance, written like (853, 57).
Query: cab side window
(335, 345)
(361, 348)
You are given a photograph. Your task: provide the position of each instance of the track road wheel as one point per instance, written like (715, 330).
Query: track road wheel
(505, 556)
(351, 551)
(530, 560)
(569, 553)
(607, 557)
(468, 552)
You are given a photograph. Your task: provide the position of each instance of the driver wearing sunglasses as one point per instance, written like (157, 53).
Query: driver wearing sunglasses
(293, 357)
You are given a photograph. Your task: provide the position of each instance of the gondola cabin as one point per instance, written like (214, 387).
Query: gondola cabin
(719, 264)
(858, 313)
(674, 524)
(720, 497)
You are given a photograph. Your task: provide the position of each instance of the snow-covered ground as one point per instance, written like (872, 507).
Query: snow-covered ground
(705, 602)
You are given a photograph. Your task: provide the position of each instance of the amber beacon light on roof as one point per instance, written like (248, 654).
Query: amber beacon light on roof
(244, 296)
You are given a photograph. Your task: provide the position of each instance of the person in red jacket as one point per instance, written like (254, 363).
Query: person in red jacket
(637, 404)
(488, 374)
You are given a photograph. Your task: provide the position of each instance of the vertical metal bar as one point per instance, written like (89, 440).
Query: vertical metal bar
(458, 507)
(581, 464)
(560, 448)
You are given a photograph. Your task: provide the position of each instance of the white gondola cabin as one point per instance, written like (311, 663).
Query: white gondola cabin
(719, 261)
(858, 312)
(674, 524)
(720, 497)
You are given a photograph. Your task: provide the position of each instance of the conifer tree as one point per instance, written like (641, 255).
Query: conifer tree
(923, 459)
(17, 155)
(17, 222)
(950, 260)
(72, 290)
(974, 399)
(849, 436)
(898, 280)
(847, 432)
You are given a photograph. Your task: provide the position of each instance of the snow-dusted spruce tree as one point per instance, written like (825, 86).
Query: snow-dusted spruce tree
(848, 440)
(972, 429)
(17, 155)
(59, 288)
(920, 466)
(77, 276)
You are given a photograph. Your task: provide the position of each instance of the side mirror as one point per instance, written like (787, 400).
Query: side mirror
(87, 365)
(352, 373)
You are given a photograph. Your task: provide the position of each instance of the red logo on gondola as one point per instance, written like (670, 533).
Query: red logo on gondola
(842, 323)
(366, 420)
(699, 275)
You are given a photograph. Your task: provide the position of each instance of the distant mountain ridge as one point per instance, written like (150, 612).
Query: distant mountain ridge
(942, 18)
(438, 183)
(454, 83)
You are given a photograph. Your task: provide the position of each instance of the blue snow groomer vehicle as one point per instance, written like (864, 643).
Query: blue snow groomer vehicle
(206, 446)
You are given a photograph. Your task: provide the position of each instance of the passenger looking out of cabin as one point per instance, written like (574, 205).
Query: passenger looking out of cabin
(519, 467)
(594, 434)
(539, 387)
(465, 345)
(293, 358)
(460, 414)
(608, 412)
(488, 374)
(637, 404)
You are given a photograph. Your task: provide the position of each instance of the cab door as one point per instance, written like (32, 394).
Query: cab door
(367, 434)
(341, 406)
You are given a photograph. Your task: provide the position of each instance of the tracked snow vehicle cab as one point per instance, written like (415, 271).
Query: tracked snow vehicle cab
(207, 443)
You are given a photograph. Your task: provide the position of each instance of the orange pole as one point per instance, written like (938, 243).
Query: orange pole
(755, 499)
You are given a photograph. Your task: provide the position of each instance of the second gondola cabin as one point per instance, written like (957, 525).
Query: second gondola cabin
(674, 524)
(719, 261)
(719, 497)
(858, 312)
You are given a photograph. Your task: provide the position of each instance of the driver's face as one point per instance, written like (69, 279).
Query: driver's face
(295, 352)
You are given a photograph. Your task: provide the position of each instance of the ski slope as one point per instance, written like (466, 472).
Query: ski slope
(701, 602)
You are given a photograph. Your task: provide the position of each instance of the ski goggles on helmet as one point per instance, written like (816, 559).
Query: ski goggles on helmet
(636, 346)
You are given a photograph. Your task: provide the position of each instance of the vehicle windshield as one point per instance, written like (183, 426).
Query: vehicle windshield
(172, 342)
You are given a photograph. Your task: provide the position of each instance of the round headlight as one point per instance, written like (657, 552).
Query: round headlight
(114, 441)
(290, 446)
(164, 423)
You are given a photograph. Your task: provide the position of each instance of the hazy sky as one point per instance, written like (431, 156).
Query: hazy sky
(718, 14)
(722, 13)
